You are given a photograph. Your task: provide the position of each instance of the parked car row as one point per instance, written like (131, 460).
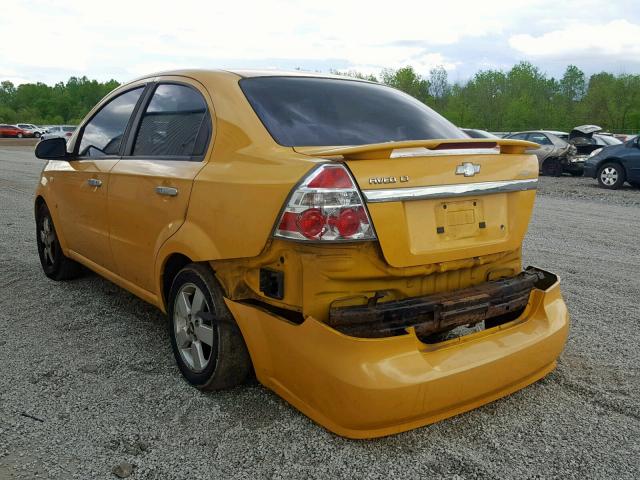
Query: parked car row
(29, 130)
(586, 150)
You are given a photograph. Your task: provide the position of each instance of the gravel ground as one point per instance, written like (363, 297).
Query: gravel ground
(89, 382)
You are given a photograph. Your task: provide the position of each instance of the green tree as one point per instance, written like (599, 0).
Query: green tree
(407, 80)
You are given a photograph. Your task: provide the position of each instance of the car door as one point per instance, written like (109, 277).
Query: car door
(150, 187)
(631, 160)
(81, 184)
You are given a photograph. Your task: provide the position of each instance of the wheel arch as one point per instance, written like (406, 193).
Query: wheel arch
(38, 202)
(610, 160)
(170, 267)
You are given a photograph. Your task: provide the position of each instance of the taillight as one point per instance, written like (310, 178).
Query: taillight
(327, 206)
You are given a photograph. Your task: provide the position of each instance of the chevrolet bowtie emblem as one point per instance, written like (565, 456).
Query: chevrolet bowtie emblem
(467, 169)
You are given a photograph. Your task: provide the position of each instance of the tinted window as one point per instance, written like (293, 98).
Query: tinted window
(539, 138)
(171, 123)
(322, 112)
(103, 133)
(71, 129)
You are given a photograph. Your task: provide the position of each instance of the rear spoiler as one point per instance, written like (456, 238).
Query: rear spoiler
(385, 150)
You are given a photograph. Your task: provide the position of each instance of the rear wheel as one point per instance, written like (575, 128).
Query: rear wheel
(206, 341)
(611, 175)
(552, 167)
(37, 134)
(55, 264)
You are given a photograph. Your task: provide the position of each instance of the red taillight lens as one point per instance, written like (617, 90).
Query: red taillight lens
(348, 221)
(331, 178)
(311, 222)
(328, 207)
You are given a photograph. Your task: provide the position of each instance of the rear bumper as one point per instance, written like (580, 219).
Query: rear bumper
(371, 387)
(574, 164)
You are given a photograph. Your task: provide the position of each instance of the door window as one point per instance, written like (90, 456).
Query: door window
(103, 134)
(173, 123)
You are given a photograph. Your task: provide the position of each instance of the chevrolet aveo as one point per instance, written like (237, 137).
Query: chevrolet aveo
(352, 247)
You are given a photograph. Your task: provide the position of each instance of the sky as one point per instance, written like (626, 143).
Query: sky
(50, 41)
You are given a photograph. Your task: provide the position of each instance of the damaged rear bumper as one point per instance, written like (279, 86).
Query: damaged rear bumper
(437, 312)
(371, 387)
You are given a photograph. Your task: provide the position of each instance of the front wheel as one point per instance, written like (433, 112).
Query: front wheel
(611, 175)
(55, 264)
(207, 343)
(37, 134)
(19, 135)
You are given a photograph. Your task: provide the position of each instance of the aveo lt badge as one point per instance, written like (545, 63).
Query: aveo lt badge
(383, 180)
(467, 169)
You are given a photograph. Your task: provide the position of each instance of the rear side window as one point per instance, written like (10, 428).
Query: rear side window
(518, 136)
(303, 111)
(173, 123)
(540, 139)
(103, 133)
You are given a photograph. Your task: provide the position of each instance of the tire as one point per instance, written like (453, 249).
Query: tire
(19, 135)
(54, 263)
(552, 167)
(611, 175)
(207, 343)
(37, 134)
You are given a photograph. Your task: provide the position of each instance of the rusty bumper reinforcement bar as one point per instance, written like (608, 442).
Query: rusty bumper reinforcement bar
(443, 311)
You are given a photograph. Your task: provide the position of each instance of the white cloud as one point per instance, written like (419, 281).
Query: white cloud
(124, 38)
(618, 37)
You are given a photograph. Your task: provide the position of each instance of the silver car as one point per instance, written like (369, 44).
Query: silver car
(34, 130)
(555, 155)
(59, 131)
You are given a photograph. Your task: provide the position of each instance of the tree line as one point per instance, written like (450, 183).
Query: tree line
(495, 100)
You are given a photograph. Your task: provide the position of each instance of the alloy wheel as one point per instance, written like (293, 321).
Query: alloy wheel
(48, 240)
(609, 176)
(194, 335)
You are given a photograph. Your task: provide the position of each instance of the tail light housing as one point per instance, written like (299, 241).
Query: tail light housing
(326, 206)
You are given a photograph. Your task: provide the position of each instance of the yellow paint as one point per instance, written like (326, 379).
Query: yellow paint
(224, 214)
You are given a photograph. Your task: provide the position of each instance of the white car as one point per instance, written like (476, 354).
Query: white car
(34, 130)
(61, 131)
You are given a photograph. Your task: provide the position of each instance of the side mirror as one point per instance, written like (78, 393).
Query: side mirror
(52, 149)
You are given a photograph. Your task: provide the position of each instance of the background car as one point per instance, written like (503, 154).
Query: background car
(61, 131)
(33, 130)
(475, 133)
(12, 131)
(614, 164)
(555, 155)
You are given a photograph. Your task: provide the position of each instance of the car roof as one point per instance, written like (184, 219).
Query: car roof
(247, 73)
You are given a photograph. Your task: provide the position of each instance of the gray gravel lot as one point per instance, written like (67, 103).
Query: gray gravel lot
(88, 379)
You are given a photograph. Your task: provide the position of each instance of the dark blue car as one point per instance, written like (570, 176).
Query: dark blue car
(616, 164)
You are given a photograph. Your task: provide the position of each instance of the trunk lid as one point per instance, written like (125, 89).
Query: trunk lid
(434, 201)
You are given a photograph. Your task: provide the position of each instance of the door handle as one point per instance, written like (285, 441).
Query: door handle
(168, 191)
(94, 182)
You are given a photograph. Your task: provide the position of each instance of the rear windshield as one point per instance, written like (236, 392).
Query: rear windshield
(303, 111)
